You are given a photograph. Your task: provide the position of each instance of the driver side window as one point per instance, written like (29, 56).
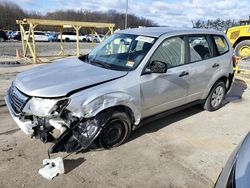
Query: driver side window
(171, 52)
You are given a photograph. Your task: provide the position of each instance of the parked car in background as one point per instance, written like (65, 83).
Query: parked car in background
(130, 77)
(16, 35)
(39, 36)
(236, 172)
(95, 38)
(3, 36)
(53, 37)
(70, 36)
(9, 34)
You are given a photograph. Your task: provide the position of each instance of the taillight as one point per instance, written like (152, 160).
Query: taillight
(234, 59)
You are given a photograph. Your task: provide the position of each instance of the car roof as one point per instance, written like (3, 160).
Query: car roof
(158, 31)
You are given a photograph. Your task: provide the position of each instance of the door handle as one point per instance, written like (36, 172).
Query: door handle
(184, 73)
(216, 65)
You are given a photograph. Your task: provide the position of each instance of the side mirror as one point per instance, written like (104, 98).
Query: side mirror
(158, 67)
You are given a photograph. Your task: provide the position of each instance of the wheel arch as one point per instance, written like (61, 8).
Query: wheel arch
(114, 100)
(120, 108)
(224, 79)
(240, 39)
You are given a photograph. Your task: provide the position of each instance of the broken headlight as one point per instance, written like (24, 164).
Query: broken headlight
(45, 107)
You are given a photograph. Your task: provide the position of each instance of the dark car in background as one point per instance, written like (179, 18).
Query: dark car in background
(3, 36)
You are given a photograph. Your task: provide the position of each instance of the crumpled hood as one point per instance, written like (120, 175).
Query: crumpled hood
(63, 76)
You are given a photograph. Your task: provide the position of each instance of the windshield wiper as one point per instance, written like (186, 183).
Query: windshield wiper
(100, 64)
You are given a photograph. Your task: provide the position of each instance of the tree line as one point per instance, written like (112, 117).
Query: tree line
(10, 12)
(217, 24)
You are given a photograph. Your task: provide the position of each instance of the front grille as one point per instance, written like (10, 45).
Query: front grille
(17, 99)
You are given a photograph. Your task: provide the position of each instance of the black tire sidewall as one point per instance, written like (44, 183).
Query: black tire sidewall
(208, 106)
(127, 126)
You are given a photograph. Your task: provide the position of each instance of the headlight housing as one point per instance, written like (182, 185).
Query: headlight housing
(45, 107)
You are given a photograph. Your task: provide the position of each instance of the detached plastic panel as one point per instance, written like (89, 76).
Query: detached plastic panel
(52, 167)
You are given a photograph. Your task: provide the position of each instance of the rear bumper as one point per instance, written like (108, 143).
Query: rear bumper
(25, 126)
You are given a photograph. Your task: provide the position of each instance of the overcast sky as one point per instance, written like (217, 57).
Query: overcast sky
(163, 12)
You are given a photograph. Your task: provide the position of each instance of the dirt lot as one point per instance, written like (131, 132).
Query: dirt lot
(8, 48)
(187, 149)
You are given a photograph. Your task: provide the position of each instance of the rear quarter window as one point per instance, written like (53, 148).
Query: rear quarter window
(221, 44)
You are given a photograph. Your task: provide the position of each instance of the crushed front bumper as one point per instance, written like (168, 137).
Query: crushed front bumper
(26, 125)
(78, 133)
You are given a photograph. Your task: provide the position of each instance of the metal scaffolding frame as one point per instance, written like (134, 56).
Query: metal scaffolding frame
(28, 39)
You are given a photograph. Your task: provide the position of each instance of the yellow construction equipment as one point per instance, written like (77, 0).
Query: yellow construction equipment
(239, 38)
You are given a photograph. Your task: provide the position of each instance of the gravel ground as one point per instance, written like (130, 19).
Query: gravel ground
(44, 48)
(186, 149)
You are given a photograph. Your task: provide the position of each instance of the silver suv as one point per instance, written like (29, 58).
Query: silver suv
(129, 78)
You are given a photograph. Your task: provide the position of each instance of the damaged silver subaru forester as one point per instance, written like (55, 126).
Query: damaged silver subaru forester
(130, 77)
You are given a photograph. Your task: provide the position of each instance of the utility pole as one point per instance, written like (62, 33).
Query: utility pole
(126, 15)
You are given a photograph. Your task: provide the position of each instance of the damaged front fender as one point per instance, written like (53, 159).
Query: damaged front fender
(93, 114)
(94, 105)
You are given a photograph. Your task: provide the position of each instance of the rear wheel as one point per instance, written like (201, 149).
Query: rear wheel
(215, 97)
(243, 49)
(116, 131)
(67, 40)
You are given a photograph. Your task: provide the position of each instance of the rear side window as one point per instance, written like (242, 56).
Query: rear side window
(221, 44)
(199, 48)
(69, 33)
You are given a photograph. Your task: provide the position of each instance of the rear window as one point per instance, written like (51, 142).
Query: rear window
(221, 44)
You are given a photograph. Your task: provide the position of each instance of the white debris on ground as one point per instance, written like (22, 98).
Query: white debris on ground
(52, 168)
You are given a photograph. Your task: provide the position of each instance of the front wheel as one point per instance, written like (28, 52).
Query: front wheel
(215, 97)
(116, 131)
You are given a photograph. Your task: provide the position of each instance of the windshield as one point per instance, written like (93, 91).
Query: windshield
(120, 52)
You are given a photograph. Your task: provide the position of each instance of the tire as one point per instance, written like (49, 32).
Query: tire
(116, 130)
(67, 40)
(84, 40)
(215, 97)
(243, 49)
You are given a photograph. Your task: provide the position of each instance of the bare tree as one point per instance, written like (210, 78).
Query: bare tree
(10, 12)
(217, 24)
